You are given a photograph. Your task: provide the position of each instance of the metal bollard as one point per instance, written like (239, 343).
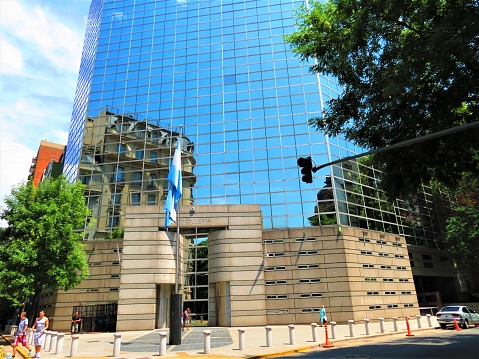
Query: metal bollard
(351, 327)
(292, 338)
(269, 336)
(207, 341)
(333, 330)
(381, 324)
(418, 317)
(429, 323)
(74, 347)
(366, 326)
(314, 330)
(395, 323)
(241, 338)
(116, 344)
(53, 342)
(60, 340)
(163, 343)
(48, 338)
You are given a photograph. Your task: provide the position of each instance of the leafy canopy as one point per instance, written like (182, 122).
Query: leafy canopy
(408, 68)
(41, 247)
(462, 230)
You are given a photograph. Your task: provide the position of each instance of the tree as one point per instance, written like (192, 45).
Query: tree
(407, 68)
(462, 229)
(41, 247)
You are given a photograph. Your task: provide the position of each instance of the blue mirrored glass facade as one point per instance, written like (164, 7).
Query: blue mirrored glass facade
(222, 70)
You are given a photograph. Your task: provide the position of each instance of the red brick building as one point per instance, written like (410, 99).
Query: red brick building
(47, 152)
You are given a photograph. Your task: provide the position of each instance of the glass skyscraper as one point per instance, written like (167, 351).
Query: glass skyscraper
(223, 71)
(219, 74)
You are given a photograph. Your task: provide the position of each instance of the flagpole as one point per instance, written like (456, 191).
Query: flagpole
(177, 280)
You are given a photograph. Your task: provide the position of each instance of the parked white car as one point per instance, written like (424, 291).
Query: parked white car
(464, 316)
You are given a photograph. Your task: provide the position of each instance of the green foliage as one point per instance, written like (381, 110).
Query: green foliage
(41, 247)
(116, 233)
(462, 230)
(408, 69)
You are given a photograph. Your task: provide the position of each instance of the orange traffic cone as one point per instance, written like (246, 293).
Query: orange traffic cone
(409, 334)
(327, 344)
(456, 327)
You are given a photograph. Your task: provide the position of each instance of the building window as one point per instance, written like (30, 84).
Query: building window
(271, 241)
(137, 178)
(151, 200)
(113, 221)
(121, 149)
(118, 174)
(306, 239)
(306, 253)
(135, 199)
(367, 253)
(152, 182)
(154, 157)
(308, 266)
(139, 154)
(427, 257)
(115, 198)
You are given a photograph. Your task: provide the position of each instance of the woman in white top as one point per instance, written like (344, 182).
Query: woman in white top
(39, 327)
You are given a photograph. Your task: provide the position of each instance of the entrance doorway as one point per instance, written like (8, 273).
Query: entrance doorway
(195, 286)
(97, 318)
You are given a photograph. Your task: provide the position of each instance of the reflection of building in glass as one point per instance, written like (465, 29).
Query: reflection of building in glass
(222, 70)
(359, 203)
(124, 162)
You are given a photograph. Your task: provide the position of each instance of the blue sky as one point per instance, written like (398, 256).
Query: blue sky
(40, 49)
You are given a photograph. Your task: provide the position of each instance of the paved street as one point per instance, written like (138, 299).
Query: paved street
(437, 344)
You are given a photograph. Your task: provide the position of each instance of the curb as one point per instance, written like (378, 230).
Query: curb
(20, 349)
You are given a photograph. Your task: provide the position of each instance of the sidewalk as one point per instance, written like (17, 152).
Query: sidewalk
(224, 341)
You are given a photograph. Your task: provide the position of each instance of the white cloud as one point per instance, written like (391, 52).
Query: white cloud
(40, 52)
(11, 58)
(54, 40)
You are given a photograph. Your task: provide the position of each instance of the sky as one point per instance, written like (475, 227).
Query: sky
(40, 50)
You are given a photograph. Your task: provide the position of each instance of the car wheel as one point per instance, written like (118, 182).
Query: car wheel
(443, 326)
(466, 324)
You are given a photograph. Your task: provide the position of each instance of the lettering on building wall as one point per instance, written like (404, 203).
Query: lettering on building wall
(195, 221)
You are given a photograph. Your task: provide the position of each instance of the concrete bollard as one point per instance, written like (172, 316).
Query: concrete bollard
(395, 323)
(30, 336)
(48, 338)
(418, 318)
(351, 327)
(207, 341)
(269, 336)
(381, 325)
(163, 343)
(292, 338)
(74, 347)
(366, 326)
(314, 330)
(60, 340)
(333, 330)
(241, 339)
(53, 342)
(429, 323)
(116, 344)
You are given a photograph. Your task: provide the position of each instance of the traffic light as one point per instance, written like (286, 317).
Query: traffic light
(307, 169)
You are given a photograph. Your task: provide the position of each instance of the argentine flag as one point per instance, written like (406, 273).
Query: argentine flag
(175, 189)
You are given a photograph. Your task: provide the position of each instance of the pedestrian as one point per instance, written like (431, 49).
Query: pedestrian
(21, 334)
(39, 327)
(323, 319)
(75, 323)
(185, 319)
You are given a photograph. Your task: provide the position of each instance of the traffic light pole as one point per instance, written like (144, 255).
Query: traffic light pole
(403, 144)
